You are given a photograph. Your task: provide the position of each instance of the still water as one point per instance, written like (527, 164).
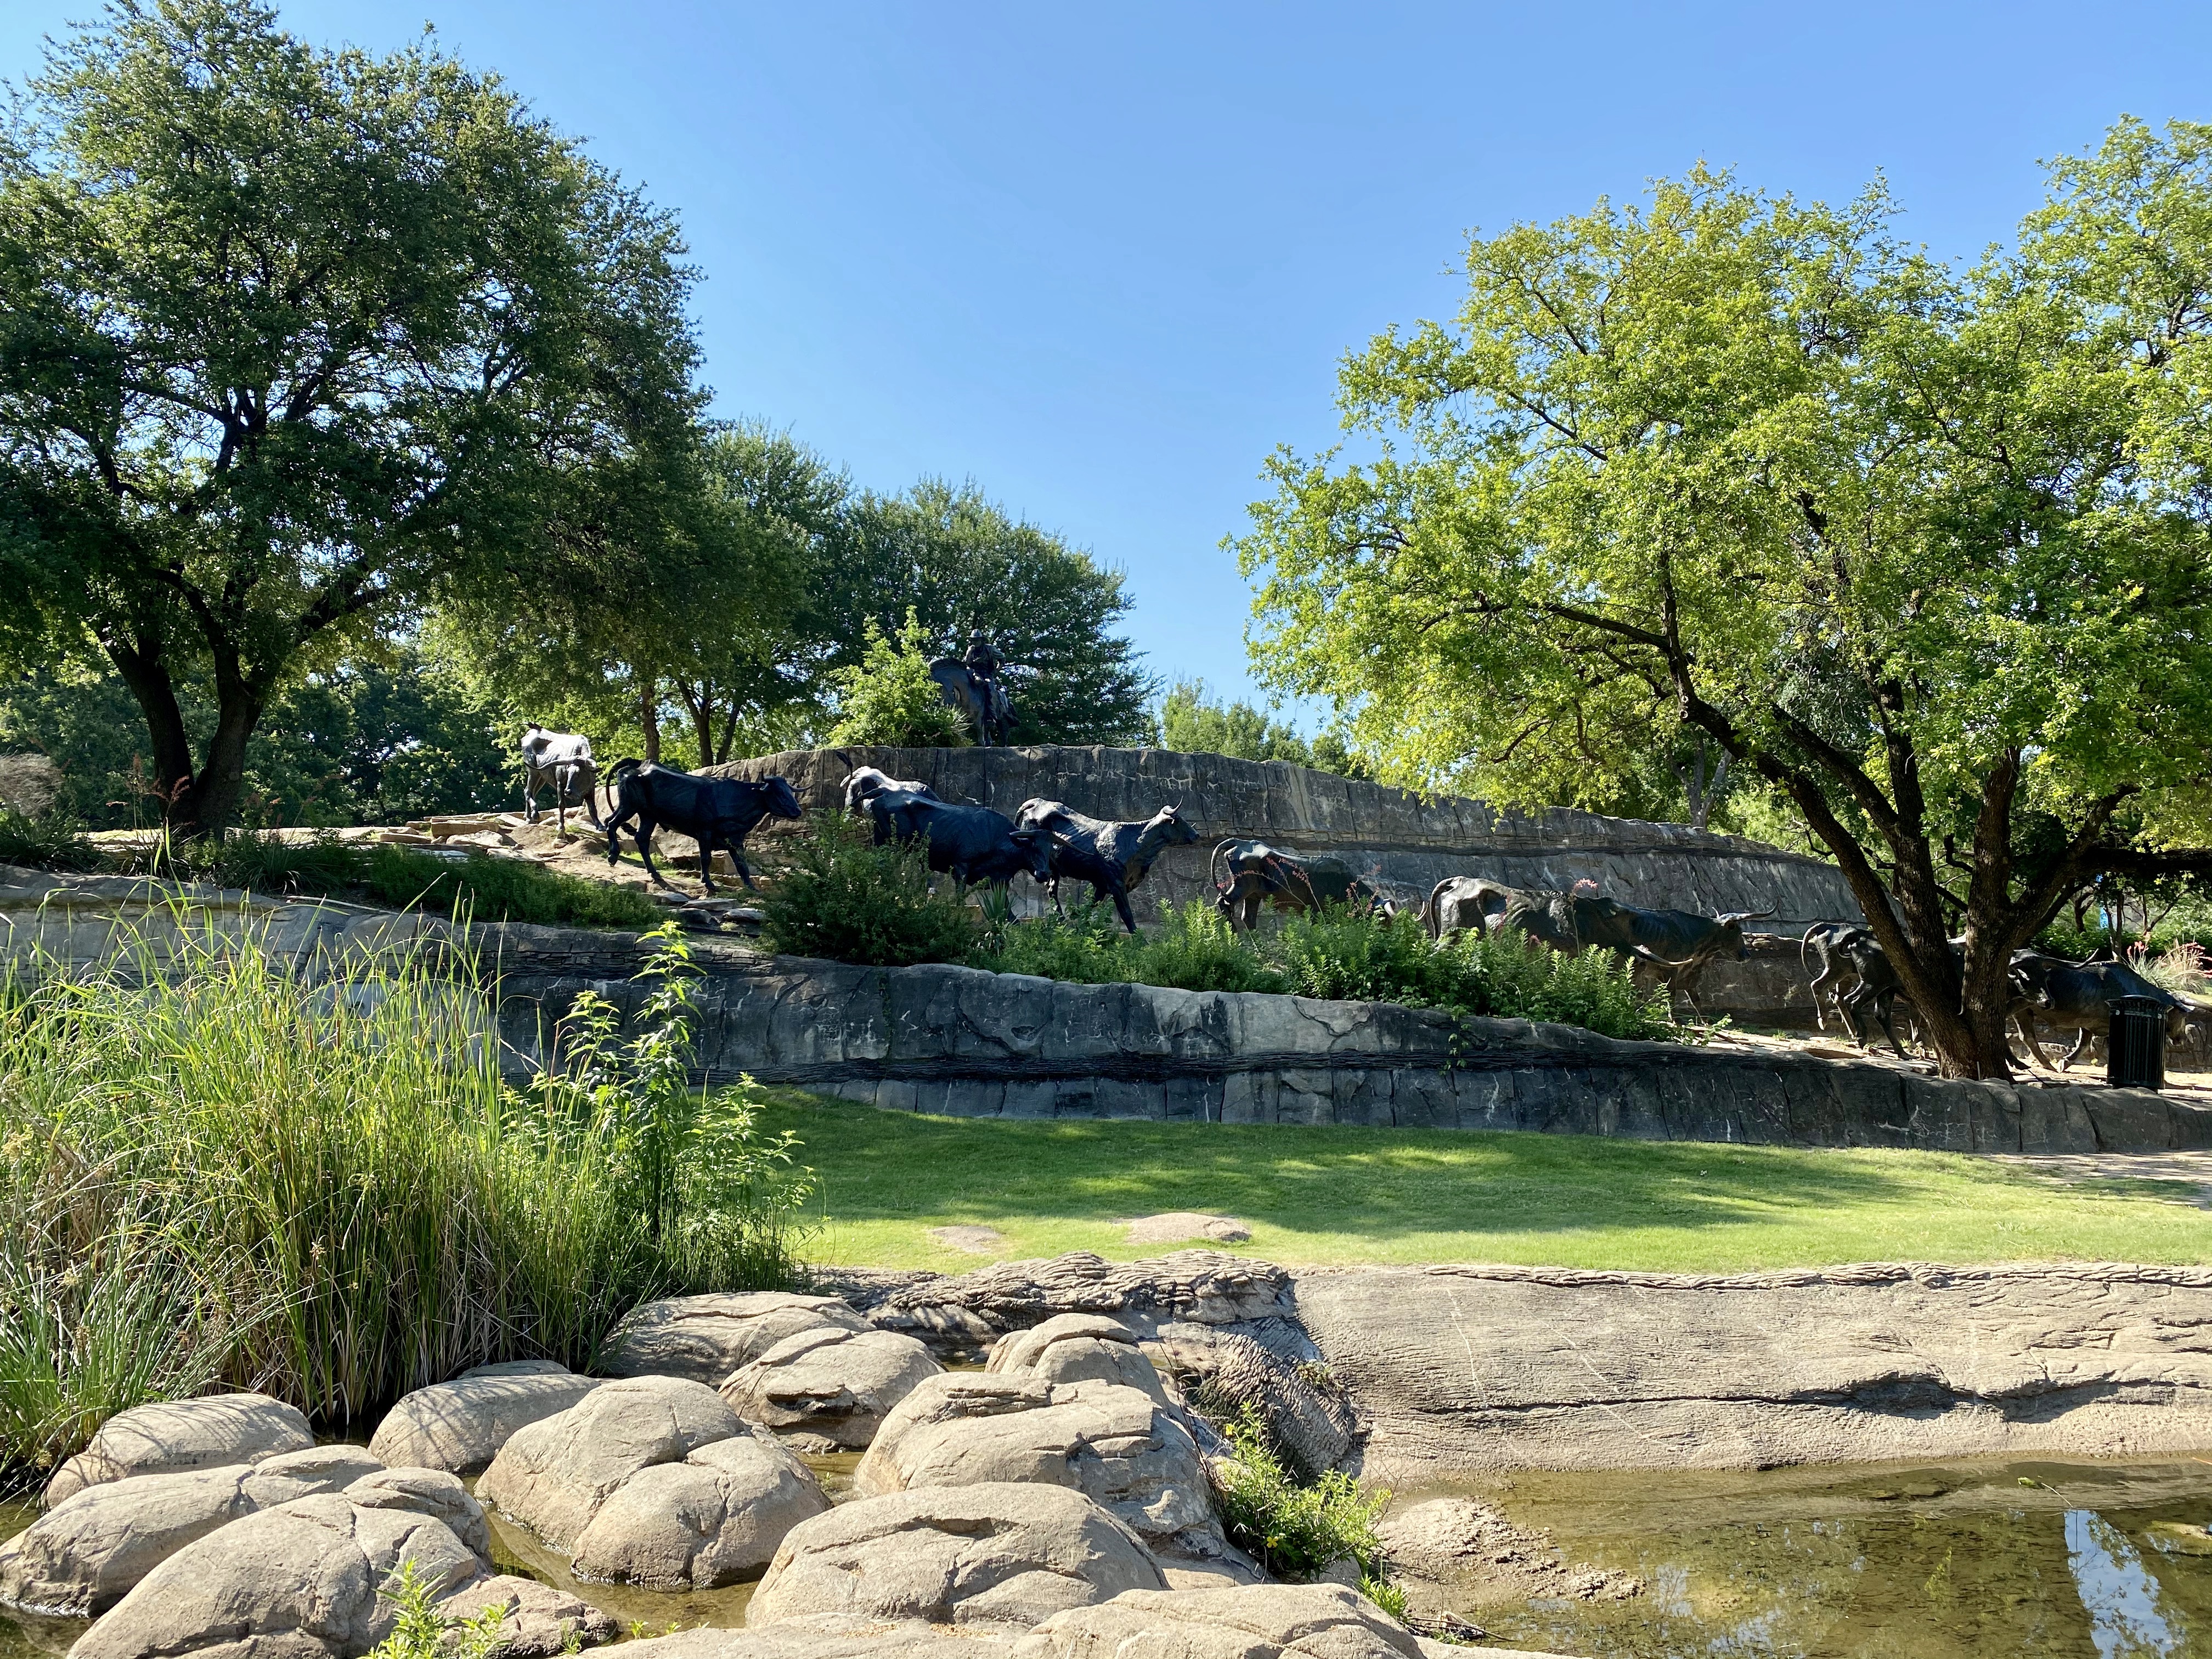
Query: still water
(1968, 1560)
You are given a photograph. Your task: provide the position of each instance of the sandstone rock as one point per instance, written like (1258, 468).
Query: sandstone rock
(993, 1556)
(1080, 1348)
(461, 1424)
(1207, 1287)
(706, 1338)
(1257, 1621)
(84, 1555)
(1171, 1225)
(183, 1434)
(908, 1640)
(304, 1581)
(653, 1480)
(713, 1519)
(1118, 1446)
(1483, 1559)
(553, 1475)
(537, 1620)
(833, 1382)
(967, 1237)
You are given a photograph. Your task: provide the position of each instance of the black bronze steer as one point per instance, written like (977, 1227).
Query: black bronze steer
(1247, 874)
(1676, 942)
(713, 811)
(1112, 856)
(2078, 995)
(969, 843)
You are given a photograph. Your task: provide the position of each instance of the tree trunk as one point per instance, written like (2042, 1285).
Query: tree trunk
(211, 803)
(702, 728)
(648, 716)
(145, 672)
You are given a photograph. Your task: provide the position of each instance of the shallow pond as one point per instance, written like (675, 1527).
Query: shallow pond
(1970, 1560)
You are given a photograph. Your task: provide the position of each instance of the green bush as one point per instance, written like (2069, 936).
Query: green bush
(1294, 1527)
(1340, 956)
(888, 697)
(844, 898)
(213, 1172)
(50, 840)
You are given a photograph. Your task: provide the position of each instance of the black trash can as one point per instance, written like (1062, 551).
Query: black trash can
(2135, 1043)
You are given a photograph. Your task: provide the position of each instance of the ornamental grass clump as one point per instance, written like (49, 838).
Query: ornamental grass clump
(216, 1171)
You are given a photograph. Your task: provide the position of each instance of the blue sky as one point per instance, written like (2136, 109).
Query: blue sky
(1103, 259)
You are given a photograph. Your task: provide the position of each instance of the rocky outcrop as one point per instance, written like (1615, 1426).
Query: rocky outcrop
(961, 1042)
(1259, 1621)
(706, 1338)
(992, 1557)
(653, 1480)
(1467, 1369)
(906, 1639)
(1120, 1447)
(460, 1425)
(831, 1382)
(171, 1435)
(1079, 1348)
(303, 1581)
(91, 1549)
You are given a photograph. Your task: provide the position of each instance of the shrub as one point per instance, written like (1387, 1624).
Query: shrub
(48, 840)
(888, 697)
(1338, 955)
(847, 899)
(1293, 1527)
(213, 1171)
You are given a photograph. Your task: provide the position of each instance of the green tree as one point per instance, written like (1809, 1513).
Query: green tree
(956, 560)
(1923, 551)
(888, 697)
(291, 340)
(1194, 721)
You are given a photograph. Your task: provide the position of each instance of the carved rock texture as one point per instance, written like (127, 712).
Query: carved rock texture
(653, 1480)
(461, 1424)
(1119, 1446)
(1257, 1621)
(183, 1434)
(706, 1338)
(1003, 1556)
(1498, 1368)
(1080, 1348)
(302, 1581)
(830, 1381)
(86, 1552)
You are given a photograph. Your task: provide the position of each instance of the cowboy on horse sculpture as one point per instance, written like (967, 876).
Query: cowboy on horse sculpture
(971, 684)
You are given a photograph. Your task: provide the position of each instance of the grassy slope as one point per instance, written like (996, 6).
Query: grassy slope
(1318, 1195)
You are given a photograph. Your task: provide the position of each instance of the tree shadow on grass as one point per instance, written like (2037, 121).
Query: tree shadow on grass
(1379, 1184)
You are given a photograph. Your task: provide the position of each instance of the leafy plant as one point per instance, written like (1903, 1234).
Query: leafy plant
(1293, 1527)
(888, 696)
(48, 840)
(419, 1631)
(845, 898)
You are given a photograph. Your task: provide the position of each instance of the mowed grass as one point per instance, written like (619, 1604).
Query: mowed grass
(1327, 1196)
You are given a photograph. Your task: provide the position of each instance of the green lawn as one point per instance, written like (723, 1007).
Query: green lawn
(1317, 1195)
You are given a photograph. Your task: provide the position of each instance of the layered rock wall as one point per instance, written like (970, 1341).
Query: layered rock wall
(963, 1042)
(1401, 841)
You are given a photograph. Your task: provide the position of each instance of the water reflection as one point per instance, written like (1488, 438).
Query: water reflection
(2127, 1619)
(1981, 1561)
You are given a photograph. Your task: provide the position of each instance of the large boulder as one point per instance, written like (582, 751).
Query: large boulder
(833, 1381)
(1078, 1347)
(304, 1580)
(86, 1554)
(1449, 1554)
(1001, 1556)
(170, 1435)
(706, 1338)
(1118, 1446)
(653, 1480)
(909, 1639)
(460, 1425)
(1257, 1621)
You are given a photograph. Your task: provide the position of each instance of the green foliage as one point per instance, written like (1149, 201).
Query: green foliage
(1921, 547)
(888, 697)
(300, 340)
(1293, 1527)
(1192, 721)
(419, 1631)
(957, 560)
(45, 841)
(1340, 956)
(845, 899)
(226, 1173)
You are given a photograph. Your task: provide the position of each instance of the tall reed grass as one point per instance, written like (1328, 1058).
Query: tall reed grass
(217, 1170)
